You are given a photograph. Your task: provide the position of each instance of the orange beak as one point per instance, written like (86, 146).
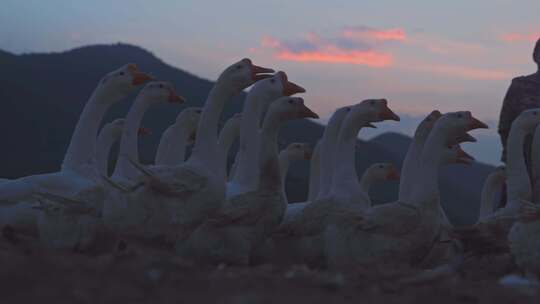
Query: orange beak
(476, 124)
(289, 88)
(143, 131)
(257, 72)
(173, 98)
(307, 113)
(387, 114)
(140, 78)
(465, 137)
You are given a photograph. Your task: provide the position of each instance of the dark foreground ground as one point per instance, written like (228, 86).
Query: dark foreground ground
(147, 275)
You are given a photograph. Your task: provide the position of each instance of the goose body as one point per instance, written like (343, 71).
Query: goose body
(246, 220)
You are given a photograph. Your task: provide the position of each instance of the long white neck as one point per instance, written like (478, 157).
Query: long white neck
(409, 169)
(328, 144)
(491, 187)
(345, 169)
(206, 150)
(106, 140)
(284, 163)
(82, 147)
(425, 191)
(227, 136)
(270, 178)
(518, 185)
(314, 173)
(172, 146)
(366, 181)
(247, 170)
(130, 140)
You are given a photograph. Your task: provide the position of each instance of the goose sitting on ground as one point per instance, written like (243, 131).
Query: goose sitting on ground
(69, 230)
(303, 234)
(173, 201)
(171, 150)
(399, 233)
(262, 94)
(246, 220)
(489, 235)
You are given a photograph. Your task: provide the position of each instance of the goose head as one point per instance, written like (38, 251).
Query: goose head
(290, 108)
(425, 126)
(120, 82)
(276, 86)
(371, 110)
(243, 74)
(454, 126)
(383, 171)
(454, 154)
(298, 151)
(189, 118)
(157, 92)
(527, 121)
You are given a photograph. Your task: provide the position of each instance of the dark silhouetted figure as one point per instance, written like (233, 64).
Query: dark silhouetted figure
(523, 94)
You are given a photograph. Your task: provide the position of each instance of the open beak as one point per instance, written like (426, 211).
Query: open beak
(465, 137)
(463, 157)
(370, 125)
(476, 124)
(140, 78)
(393, 174)
(307, 113)
(144, 131)
(258, 72)
(387, 114)
(289, 88)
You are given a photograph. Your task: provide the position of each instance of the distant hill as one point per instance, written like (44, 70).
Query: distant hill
(43, 94)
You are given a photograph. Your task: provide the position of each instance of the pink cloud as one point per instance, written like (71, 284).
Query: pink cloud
(517, 37)
(395, 34)
(352, 45)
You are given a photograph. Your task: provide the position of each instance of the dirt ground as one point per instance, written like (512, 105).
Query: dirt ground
(139, 274)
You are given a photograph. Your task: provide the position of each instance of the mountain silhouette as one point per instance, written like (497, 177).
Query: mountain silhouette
(43, 95)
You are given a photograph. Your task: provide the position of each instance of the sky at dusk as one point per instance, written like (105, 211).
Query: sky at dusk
(420, 54)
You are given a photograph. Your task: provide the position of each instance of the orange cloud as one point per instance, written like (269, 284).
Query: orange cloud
(395, 34)
(334, 55)
(517, 37)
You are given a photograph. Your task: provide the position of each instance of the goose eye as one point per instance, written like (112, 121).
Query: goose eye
(291, 101)
(372, 102)
(460, 116)
(534, 113)
(238, 67)
(121, 73)
(381, 166)
(272, 80)
(348, 109)
(428, 119)
(160, 86)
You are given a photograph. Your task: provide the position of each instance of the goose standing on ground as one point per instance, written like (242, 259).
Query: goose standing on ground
(399, 232)
(171, 150)
(246, 220)
(257, 101)
(175, 200)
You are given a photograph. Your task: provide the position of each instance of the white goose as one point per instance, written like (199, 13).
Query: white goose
(246, 220)
(71, 225)
(257, 101)
(314, 173)
(399, 232)
(79, 169)
(175, 200)
(171, 150)
(294, 152)
(109, 135)
(492, 186)
(227, 136)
